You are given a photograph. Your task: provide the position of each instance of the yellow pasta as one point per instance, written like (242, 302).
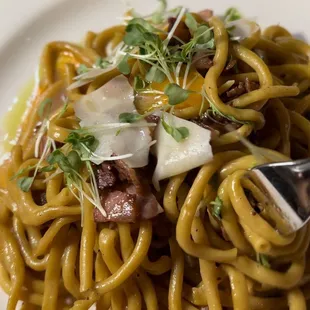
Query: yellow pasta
(80, 228)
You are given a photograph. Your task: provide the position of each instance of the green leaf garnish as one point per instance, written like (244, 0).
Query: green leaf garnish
(59, 158)
(177, 133)
(25, 183)
(22, 171)
(191, 22)
(64, 108)
(123, 66)
(137, 35)
(203, 34)
(129, 117)
(217, 205)
(82, 69)
(68, 164)
(155, 75)
(84, 145)
(102, 63)
(200, 40)
(176, 94)
(47, 168)
(134, 35)
(210, 45)
(74, 160)
(145, 24)
(232, 14)
(138, 83)
(158, 15)
(44, 107)
(263, 260)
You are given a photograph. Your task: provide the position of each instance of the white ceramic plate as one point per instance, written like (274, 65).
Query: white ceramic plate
(26, 25)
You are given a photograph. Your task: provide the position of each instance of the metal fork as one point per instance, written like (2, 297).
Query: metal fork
(287, 186)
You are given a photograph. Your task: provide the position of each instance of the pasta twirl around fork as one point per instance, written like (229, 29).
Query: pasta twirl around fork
(128, 187)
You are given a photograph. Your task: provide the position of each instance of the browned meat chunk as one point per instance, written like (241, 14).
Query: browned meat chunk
(236, 91)
(129, 198)
(202, 62)
(105, 176)
(181, 32)
(250, 85)
(240, 89)
(216, 123)
(152, 118)
(119, 206)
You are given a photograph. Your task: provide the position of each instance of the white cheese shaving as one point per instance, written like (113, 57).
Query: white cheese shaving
(103, 107)
(241, 29)
(175, 157)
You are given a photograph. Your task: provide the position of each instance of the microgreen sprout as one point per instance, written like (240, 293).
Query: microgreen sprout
(177, 133)
(263, 260)
(213, 109)
(129, 117)
(45, 107)
(176, 94)
(232, 14)
(217, 206)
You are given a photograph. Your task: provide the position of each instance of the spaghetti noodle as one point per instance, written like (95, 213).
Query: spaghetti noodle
(214, 245)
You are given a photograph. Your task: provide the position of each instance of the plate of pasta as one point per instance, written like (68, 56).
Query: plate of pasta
(124, 160)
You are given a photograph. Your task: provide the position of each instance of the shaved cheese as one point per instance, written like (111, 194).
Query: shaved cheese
(93, 73)
(175, 157)
(102, 107)
(241, 29)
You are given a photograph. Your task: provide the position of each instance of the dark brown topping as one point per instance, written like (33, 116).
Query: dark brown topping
(239, 89)
(152, 118)
(202, 62)
(236, 91)
(182, 32)
(105, 176)
(39, 197)
(250, 85)
(127, 174)
(214, 122)
(119, 206)
(129, 198)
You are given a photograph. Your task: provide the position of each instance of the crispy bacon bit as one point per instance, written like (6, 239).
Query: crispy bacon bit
(128, 199)
(119, 206)
(105, 176)
(206, 14)
(236, 91)
(182, 32)
(202, 62)
(39, 197)
(240, 89)
(250, 85)
(216, 123)
(152, 118)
